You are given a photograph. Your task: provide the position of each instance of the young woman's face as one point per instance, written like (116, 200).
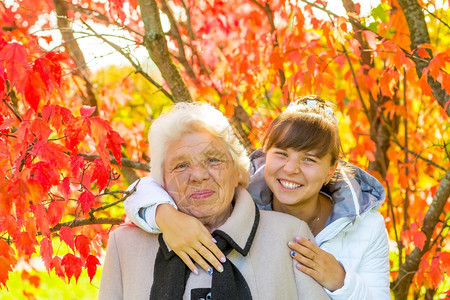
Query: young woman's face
(296, 177)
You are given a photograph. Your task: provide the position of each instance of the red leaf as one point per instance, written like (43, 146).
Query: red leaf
(101, 174)
(46, 252)
(45, 175)
(14, 58)
(86, 200)
(72, 266)
(66, 236)
(41, 219)
(91, 266)
(114, 143)
(83, 245)
(76, 163)
(419, 239)
(64, 187)
(56, 264)
(24, 244)
(87, 111)
(436, 274)
(55, 212)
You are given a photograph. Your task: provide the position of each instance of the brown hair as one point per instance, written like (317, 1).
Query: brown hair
(307, 124)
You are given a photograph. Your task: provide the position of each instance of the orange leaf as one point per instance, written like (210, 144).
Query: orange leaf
(423, 53)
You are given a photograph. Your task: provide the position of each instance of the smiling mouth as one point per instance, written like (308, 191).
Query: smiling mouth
(289, 185)
(202, 194)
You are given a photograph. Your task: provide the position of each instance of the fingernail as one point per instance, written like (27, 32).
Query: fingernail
(290, 244)
(195, 271)
(223, 259)
(293, 253)
(220, 269)
(210, 271)
(214, 240)
(299, 266)
(298, 239)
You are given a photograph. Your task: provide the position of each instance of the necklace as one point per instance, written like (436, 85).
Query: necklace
(312, 225)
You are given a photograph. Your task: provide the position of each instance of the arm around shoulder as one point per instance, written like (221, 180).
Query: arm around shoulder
(148, 195)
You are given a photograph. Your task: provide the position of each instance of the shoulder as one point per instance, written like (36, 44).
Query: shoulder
(132, 235)
(277, 222)
(372, 220)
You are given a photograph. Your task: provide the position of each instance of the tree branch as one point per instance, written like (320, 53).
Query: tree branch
(125, 162)
(89, 221)
(132, 62)
(75, 52)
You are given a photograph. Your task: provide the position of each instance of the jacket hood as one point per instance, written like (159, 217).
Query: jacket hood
(353, 193)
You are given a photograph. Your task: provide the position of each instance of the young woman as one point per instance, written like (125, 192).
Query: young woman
(295, 173)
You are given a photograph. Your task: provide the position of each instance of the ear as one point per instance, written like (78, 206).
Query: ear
(332, 171)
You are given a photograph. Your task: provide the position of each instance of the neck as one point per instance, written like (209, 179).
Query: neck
(314, 212)
(214, 222)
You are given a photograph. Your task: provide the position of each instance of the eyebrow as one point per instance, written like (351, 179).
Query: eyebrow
(312, 154)
(215, 152)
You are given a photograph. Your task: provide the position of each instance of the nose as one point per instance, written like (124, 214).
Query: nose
(199, 173)
(291, 166)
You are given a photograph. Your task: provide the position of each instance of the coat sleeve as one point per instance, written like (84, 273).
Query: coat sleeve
(307, 287)
(140, 206)
(371, 281)
(111, 282)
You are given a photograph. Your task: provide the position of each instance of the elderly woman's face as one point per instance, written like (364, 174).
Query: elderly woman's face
(200, 175)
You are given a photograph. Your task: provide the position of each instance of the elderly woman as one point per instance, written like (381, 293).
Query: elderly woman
(202, 165)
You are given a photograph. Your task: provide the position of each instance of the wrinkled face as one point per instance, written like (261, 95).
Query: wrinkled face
(199, 174)
(296, 177)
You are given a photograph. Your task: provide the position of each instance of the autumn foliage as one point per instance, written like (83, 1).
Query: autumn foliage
(73, 139)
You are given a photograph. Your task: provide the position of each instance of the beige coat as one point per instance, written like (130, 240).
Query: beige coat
(268, 268)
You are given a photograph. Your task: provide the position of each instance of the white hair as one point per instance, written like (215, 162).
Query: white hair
(190, 117)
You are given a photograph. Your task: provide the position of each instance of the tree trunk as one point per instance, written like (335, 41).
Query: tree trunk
(419, 35)
(400, 286)
(156, 44)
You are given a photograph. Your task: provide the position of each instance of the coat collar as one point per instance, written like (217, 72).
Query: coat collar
(239, 229)
(242, 224)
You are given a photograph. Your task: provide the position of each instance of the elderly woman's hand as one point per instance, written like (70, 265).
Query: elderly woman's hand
(317, 263)
(189, 239)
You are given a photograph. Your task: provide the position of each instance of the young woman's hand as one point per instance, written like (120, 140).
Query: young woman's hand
(317, 263)
(189, 239)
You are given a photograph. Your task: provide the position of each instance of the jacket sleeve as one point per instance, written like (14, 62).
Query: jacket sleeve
(111, 282)
(140, 206)
(371, 281)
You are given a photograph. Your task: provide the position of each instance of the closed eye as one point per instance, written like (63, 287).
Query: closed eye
(309, 159)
